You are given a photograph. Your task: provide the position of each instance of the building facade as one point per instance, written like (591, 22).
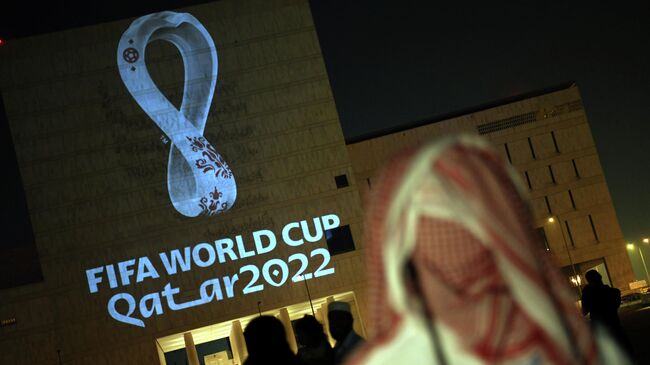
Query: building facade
(546, 137)
(126, 273)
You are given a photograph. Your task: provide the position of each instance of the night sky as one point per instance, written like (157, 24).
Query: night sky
(392, 66)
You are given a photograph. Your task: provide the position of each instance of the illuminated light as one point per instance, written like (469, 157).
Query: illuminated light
(8, 322)
(576, 280)
(2, 42)
(199, 180)
(630, 246)
(551, 219)
(646, 240)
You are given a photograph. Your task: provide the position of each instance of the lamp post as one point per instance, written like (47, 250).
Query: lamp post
(576, 277)
(631, 246)
(301, 277)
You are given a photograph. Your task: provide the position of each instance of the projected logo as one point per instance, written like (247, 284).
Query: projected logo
(199, 180)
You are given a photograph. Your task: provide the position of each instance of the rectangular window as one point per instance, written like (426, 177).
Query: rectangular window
(542, 235)
(568, 231)
(550, 171)
(508, 152)
(341, 181)
(339, 240)
(528, 180)
(532, 150)
(575, 168)
(548, 205)
(555, 142)
(573, 202)
(593, 228)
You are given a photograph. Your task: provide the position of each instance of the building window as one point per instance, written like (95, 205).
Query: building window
(532, 150)
(339, 240)
(573, 202)
(341, 181)
(508, 152)
(550, 171)
(575, 168)
(548, 205)
(542, 235)
(507, 123)
(568, 231)
(593, 228)
(557, 149)
(528, 180)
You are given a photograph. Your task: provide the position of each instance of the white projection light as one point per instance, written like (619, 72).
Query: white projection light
(199, 180)
(275, 271)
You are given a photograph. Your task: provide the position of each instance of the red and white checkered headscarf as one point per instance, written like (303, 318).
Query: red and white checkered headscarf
(484, 291)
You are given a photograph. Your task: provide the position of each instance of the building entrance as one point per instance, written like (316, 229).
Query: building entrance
(223, 343)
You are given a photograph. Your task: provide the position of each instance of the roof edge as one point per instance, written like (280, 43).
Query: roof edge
(461, 112)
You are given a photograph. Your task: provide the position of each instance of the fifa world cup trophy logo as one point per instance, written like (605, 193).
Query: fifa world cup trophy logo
(198, 178)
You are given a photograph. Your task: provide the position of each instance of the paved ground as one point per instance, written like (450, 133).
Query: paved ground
(636, 322)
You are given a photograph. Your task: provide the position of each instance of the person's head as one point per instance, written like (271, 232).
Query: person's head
(593, 277)
(340, 320)
(265, 335)
(309, 332)
(453, 217)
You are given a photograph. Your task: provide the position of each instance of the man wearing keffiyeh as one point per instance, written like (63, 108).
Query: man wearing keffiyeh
(457, 275)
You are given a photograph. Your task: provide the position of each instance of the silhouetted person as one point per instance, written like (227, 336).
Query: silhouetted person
(267, 343)
(340, 321)
(313, 348)
(601, 302)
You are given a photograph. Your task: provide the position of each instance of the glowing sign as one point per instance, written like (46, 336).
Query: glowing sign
(274, 272)
(199, 180)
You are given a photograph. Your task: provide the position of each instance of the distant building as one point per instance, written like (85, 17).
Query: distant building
(546, 137)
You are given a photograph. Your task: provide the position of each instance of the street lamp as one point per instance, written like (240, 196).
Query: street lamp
(303, 278)
(576, 278)
(631, 246)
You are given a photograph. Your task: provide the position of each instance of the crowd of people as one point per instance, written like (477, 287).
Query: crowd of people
(456, 276)
(267, 344)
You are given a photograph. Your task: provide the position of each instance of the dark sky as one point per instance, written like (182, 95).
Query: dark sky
(393, 65)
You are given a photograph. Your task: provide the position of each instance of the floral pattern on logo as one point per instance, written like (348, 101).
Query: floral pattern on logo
(214, 161)
(211, 205)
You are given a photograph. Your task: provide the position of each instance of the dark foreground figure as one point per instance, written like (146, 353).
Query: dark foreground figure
(313, 348)
(601, 302)
(339, 316)
(267, 343)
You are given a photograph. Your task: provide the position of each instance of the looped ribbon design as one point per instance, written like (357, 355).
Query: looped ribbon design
(199, 180)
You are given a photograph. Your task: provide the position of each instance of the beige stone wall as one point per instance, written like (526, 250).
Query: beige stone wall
(94, 171)
(553, 149)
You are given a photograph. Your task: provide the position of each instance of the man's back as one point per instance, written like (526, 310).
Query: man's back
(601, 302)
